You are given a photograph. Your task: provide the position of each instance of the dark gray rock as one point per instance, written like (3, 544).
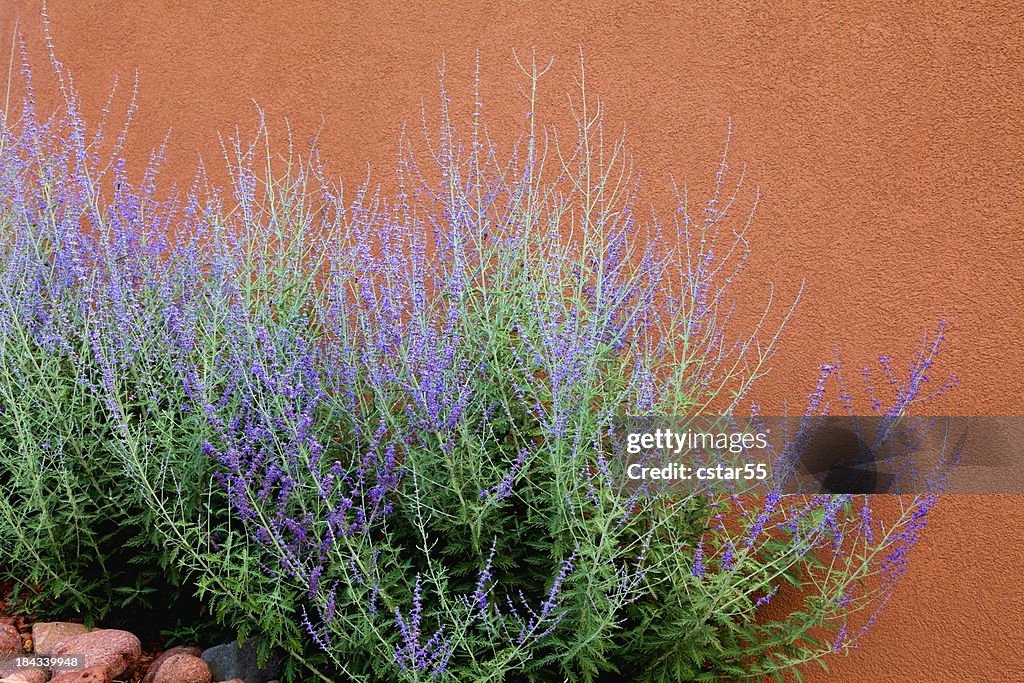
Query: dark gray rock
(230, 661)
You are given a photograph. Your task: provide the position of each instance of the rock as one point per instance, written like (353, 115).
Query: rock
(116, 651)
(183, 668)
(46, 635)
(158, 662)
(229, 661)
(236, 680)
(10, 640)
(9, 674)
(94, 674)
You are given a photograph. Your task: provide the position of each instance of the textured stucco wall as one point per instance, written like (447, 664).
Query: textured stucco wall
(887, 138)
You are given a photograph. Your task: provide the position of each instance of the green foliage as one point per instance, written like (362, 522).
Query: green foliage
(343, 429)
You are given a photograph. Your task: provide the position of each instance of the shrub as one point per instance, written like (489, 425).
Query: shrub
(375, 432)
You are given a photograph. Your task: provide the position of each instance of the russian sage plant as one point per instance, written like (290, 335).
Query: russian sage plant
(375, 431)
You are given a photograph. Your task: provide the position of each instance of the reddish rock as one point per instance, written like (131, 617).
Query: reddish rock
(47, 634)
(116, 651)
(94, 674)
(12, 675)
(158, 662)
(183, 668)
(10, 640)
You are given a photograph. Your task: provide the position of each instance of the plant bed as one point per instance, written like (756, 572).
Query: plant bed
(371, 432)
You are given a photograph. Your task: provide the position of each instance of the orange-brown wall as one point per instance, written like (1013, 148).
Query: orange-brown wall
(887, 139)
